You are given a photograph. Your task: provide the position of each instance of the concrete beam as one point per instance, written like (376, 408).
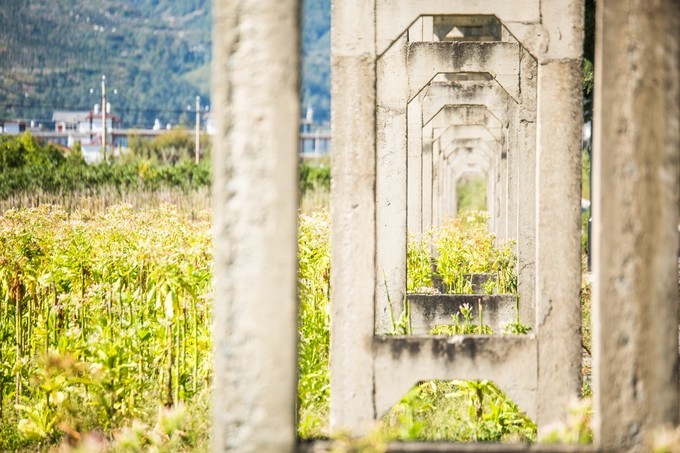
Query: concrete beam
(488, 93)
(427, 59)
(465, 114)
(402, 362)
(469, 131)
(428, 311)
(394, 16)
(255, 224)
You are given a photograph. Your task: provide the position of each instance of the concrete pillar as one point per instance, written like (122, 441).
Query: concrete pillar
(558, 258)
(255, 224)
(427, 178)
(525, 221)
(391, 182)
(353, 274)
(415, 165)
(635, 243)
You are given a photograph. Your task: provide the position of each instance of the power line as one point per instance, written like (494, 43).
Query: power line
(80, 108)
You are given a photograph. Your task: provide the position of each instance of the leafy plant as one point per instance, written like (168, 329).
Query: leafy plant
(466, 326)
(402, 326)
(419, 263)
(463, 411)
(104, 316)
(314, 324)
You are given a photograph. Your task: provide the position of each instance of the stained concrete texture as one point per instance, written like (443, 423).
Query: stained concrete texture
(403, 361)
(428, 311)
(635, 249)
(255, 224)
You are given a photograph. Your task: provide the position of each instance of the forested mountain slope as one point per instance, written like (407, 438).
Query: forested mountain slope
(155, 54)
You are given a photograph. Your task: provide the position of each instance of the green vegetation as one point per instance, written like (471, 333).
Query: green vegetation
(464, 326)
(314, 177)
(104, 319)
(471, 194)
(314, 324)
(464, 411)
(462, 247)
(28, 167)
(31, 172)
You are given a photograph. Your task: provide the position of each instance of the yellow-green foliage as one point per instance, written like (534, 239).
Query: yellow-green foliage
(471, 193)
(464, 247)
(419, 263)
(103, 317)
(314, 324)
(462, 411)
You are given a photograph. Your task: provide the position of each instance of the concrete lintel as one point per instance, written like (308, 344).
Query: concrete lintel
(394, 17)
(427, 59)
(489, 147)
(403, 361)
(462, 158)
(490, 94)
(467, 131)
(427, 311)
(465, 114)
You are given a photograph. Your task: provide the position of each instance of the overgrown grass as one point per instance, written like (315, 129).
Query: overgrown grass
(471, 193)
(314, 324)
(460, 248)
(105, 322)
(461, 411)
(104, 318)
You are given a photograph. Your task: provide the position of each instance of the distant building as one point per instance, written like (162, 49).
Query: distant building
(13, 127)
(83, 122)
(314, 141)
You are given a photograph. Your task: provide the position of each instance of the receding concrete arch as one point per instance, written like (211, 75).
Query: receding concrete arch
(370, 55)
(455, 154)
(402, 16)
(476, 88)
(459, 161)
(465, 114)
(433, 187)
(490, 94)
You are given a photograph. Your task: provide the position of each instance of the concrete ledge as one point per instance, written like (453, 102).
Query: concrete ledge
(500, 59)
(323, 446)
(402, 361)
(427, 311)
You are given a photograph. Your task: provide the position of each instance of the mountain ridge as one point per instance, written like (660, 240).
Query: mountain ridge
(155, 54)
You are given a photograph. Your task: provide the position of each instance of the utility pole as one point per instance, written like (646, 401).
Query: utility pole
(198, 132)
(104, 116)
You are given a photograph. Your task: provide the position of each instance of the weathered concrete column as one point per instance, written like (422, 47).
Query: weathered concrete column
(353, 275)
(525, 158)
(558, 210)
(255, 218)
(636, 154)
